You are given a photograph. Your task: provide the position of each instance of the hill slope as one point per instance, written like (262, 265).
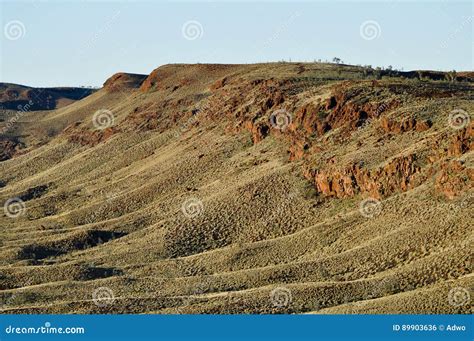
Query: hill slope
(266, 188)
(18, 97)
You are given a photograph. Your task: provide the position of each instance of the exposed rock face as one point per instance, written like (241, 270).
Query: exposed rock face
(408, 124)
(341, 110)
(313, 122)
(298, 148)
(259, 131)
(346, 111)
(462, 142)
(312, 119)
(400, 174)
(454, 179)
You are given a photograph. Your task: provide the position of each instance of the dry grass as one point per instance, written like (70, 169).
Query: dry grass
(112, 214)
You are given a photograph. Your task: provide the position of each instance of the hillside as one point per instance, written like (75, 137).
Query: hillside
(263, 188)
(18, 97)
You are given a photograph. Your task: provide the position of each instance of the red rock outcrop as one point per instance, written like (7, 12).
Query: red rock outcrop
(258, 130)
(312, 118)
(407, 124)
(249, 105)
(454, 179)
(462, 142)
(298, 148)
(342, 109)
(400, 174)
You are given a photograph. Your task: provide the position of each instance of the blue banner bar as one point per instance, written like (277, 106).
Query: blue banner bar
(237, 327)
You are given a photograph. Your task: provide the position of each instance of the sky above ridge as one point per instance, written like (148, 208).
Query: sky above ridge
(82, 43)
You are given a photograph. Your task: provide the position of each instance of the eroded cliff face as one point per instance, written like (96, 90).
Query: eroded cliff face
(399, 174)
(315, 118)
(462, 142)
(351, 108)
(311, 127)
(351, 137)
(454, 179)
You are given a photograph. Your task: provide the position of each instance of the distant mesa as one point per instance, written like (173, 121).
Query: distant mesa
(20, 97)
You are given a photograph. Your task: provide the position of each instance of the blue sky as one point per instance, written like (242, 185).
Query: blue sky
(73, 43)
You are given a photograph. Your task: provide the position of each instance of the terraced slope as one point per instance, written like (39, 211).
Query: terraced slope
(268, 188)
